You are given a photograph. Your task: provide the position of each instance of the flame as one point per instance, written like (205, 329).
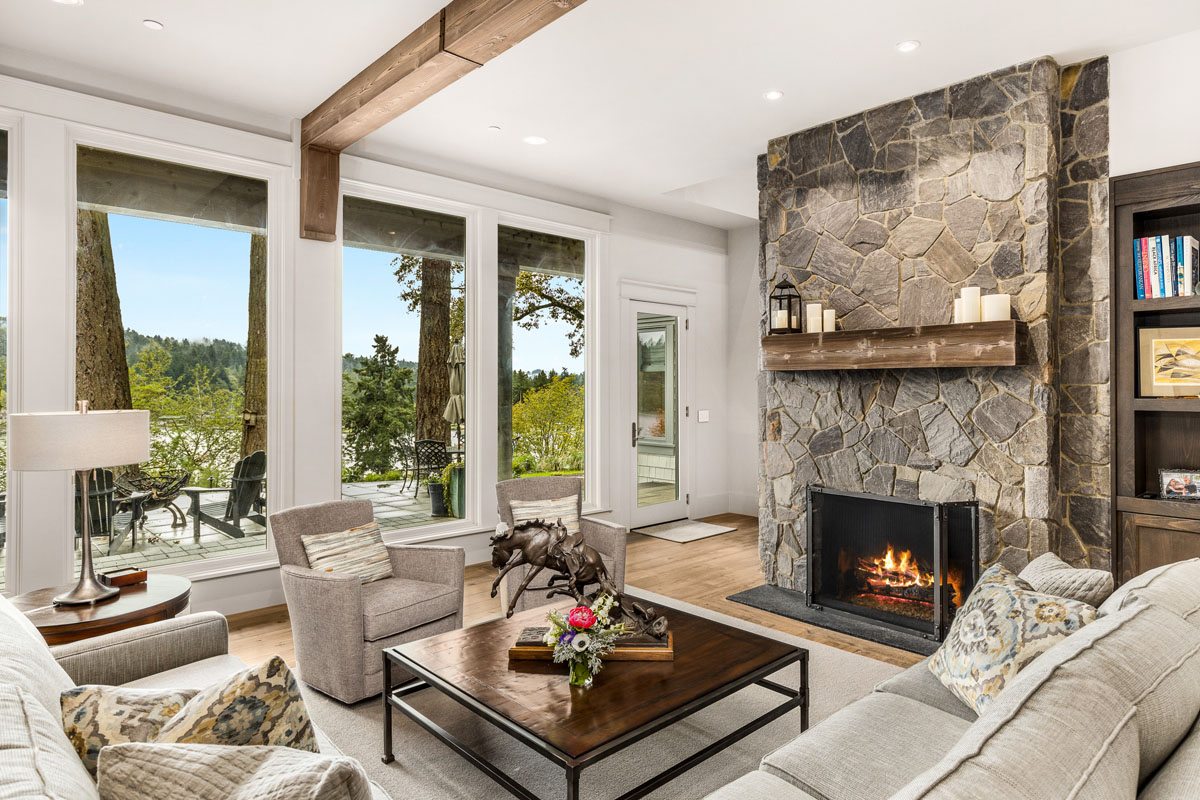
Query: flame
(895, 571)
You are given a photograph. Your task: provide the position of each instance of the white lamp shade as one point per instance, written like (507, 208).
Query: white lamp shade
(61, 440)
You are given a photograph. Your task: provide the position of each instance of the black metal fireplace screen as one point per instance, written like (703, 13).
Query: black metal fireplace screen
(906, 564)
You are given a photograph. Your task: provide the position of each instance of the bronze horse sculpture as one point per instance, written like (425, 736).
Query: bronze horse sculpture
(548, 546)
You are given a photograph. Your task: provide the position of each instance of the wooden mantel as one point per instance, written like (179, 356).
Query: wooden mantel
(974, 344)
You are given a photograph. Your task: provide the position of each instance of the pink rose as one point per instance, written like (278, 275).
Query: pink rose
(581, 618)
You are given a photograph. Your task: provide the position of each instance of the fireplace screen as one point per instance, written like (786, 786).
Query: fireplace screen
(902, 563)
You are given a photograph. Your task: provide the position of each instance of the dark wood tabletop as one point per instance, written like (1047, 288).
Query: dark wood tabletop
(160, 597)
(626, 696)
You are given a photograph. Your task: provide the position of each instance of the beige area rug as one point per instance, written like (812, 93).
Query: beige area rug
(683, 530)
(426, 769)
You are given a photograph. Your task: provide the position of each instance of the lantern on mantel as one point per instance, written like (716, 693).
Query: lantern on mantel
(783, 314)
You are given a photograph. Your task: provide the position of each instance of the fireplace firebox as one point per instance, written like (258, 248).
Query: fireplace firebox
(904, 564)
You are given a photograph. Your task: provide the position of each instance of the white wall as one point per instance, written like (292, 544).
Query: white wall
(742, 356)
(1154, 117)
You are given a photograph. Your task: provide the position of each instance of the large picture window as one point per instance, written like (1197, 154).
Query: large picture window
(171, 317)
(404, 386)
(541, 354)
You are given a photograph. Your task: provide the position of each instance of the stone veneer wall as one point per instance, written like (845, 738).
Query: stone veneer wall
(883, 216)
(1083, 315)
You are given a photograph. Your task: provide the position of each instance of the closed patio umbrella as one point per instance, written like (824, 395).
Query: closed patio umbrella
(456, 407)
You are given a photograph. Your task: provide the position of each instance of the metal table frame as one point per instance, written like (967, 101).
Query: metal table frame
(393, 697)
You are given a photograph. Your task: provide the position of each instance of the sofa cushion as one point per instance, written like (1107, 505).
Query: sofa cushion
(758, 785)
(919, 684)
(215, 772)
(196, 675)
(1050, 574)
(1000, 629)
(94, 717)
(1174, 586)
(400, 604)
(36, 760)
(1180, 775)
(867, 750)
(25, 659)
(356, 551)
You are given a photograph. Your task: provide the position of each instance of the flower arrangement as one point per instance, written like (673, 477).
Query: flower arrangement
(582, 636)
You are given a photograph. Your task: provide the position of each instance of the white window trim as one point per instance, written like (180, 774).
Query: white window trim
(12, 125)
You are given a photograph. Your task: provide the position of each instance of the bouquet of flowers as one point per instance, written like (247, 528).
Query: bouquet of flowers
(582, 636)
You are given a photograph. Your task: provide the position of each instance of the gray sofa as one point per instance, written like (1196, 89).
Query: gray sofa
(36, 759)
(1110, 712)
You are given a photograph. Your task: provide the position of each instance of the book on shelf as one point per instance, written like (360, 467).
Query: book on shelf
(1166, 266)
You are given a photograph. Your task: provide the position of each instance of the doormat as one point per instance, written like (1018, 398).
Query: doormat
(790, 603)
(683, 530)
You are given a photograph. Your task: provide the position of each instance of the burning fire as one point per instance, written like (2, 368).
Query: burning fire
(895, 573)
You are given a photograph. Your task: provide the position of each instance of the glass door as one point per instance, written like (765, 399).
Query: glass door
(659, 415)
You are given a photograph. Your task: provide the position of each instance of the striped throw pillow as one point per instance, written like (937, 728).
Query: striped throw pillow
(358, 551)
(564, 508)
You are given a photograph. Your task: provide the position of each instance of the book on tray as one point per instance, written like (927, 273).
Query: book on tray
(1166, 266)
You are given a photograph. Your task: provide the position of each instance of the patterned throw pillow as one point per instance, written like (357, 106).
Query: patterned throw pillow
(358, 551)
(259, 705)
(96, 716)
(564, 508)
(1002, 627)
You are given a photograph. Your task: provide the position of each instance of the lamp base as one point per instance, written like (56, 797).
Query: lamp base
(87, 592)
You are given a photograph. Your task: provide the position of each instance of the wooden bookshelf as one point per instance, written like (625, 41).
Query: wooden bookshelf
(1150, 433)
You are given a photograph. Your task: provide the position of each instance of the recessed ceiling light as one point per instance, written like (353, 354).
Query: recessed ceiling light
(908, 45)
(772, 95)
(69, 2)
(535, 140)
(493, 128)
(153, 24)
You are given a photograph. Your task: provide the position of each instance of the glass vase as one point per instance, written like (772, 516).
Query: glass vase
(580, 674)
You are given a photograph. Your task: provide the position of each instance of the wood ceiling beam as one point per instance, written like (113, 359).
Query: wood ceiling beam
(453, 42)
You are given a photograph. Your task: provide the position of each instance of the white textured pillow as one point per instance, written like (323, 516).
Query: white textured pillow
(36, 760)
(219, 772)
(564, 508)
(1050, 574)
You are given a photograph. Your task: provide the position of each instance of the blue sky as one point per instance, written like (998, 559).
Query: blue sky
(190, 282)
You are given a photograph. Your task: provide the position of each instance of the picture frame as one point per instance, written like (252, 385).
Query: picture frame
(1179, 484)
(1169, 362)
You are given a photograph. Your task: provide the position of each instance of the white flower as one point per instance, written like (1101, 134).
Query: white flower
(581, 642)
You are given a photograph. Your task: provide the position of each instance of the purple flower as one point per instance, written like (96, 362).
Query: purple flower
(566, 637)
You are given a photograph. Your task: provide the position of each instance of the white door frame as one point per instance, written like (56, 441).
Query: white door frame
(670, 300)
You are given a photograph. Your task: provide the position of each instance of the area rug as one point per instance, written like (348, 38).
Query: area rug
(426, 769)
(790, 603)
(683, 530)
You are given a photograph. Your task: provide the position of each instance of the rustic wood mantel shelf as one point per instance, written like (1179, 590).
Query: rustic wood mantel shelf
(974, 344)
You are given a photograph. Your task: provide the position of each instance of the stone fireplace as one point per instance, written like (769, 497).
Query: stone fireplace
(998, 182)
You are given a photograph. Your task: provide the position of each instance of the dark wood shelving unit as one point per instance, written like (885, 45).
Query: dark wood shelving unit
(973, 344)
(1150, 433)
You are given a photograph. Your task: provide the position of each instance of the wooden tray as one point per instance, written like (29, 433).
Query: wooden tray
(638, 653)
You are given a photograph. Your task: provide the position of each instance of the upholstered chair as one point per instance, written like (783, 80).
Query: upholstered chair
(339, 624)
(607, 537)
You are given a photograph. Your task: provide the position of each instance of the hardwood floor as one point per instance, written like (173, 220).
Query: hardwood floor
(702, 573)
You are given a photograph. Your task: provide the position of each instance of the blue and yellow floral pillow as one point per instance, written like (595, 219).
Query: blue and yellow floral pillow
(1004, 625)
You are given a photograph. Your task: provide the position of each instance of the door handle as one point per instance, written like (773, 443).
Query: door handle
(633, 425)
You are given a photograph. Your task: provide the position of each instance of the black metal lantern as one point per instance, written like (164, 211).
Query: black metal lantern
(783, 314)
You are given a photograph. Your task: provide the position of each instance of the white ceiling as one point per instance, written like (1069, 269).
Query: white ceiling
(653, 103)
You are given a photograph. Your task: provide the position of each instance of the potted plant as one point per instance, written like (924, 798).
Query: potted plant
(437, 494)
(455, 488)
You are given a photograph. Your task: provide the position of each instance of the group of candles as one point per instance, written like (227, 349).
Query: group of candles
(971, 306)
(816, 319)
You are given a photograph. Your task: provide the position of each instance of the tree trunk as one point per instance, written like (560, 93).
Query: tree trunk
(433, 376)
(101, 369)
(254, 391)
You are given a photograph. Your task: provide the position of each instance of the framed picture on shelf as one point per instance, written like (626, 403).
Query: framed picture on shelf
(1179, 484)
(1169, 361)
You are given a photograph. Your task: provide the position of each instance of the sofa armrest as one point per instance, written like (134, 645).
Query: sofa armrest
(609, 539)
(419, 562)
(134, 653)
(326, 613)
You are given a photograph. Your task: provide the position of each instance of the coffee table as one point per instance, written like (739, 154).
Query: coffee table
(575, 727)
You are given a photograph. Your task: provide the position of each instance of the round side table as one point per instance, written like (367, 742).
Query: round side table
(160, 597)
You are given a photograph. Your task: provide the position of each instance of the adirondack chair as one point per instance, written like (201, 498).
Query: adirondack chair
(430, 456)
(116, 518)
(244, 499)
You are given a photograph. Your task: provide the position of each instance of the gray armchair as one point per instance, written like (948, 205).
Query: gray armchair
(607, 537)
(340, 625)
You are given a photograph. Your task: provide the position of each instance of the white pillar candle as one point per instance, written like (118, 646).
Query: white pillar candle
(781, 318)
(812, 315)
(970, 304)
(995, 307)
(830, 320)
(796, 321)
(957, 310)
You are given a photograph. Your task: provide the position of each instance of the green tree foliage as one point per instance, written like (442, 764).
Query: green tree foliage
(224, 361)
(377, 412)
(540, 298)
(548, 425)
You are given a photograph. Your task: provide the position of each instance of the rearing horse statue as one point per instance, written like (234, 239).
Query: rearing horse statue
(541, 545)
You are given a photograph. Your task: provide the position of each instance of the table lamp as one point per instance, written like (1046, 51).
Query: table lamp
(80, 441)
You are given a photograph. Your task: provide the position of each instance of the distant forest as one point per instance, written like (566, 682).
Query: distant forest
(225, 361)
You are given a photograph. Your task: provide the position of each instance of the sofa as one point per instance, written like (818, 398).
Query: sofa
(1109, 712)
(36, 758)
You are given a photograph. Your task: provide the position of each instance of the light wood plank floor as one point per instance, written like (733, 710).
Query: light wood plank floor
(702, 573)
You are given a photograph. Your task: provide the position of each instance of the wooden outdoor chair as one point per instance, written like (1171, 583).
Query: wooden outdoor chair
(244, 499)
(116, 518)
(429, 456)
